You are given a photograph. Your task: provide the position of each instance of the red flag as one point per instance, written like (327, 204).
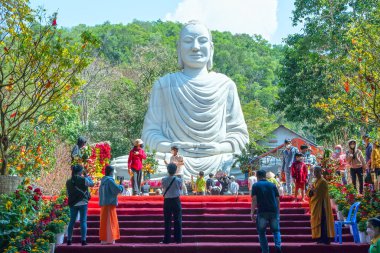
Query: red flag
(54, 23)
(13, 115)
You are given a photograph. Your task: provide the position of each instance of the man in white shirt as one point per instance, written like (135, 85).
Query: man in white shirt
(252, 180)
(177, 159)
(234, 187)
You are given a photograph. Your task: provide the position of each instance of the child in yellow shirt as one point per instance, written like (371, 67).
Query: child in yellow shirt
(200, 184)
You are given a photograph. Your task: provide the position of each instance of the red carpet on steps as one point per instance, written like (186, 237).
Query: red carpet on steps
(211, 224)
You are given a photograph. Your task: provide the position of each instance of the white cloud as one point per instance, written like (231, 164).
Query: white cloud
(236, 16)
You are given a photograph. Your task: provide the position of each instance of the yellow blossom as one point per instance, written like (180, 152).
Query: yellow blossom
(27, 181)
(8, 205)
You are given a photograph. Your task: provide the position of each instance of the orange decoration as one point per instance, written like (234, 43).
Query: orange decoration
(346, 86)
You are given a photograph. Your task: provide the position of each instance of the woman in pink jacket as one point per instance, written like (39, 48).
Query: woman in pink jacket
(136, 155)
(340, 157)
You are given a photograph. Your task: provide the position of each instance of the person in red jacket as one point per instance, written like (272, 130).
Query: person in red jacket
(299, 175)
(136, 156)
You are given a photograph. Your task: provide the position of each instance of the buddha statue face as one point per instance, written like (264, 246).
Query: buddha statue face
(195, 48)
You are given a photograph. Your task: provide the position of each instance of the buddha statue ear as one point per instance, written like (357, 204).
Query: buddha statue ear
(180, 62)
(210, 61)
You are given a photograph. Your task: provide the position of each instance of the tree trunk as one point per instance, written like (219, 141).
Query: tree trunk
(4, 166)
(4, 144)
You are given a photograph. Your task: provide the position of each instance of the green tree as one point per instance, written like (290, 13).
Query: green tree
(313, 63)
(38, 70)
(358, 91)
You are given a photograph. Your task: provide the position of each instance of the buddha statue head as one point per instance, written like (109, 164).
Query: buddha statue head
(195, 48)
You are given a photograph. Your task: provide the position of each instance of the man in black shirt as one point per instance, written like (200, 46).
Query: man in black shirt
(266, 199)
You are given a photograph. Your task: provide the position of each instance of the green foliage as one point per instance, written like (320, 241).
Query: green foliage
(39, 69)
(18, 210)
(49, 236)
(56, 226)
(258, 119)
(246, 160)
(312, 91)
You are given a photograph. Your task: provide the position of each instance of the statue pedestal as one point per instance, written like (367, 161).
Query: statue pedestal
(121, 168)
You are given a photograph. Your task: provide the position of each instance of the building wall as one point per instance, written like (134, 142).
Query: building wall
(277, 138)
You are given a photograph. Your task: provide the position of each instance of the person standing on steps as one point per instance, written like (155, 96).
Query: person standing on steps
(77, 155)
(136, 156)
(368, 149)
(234, 186)
(251, 180)
(177, 159)
(200, 184)
(108, 191)
(210, 183)
(375, 163)
(310, 160)
(266, 199)
(357, 163)
(299, 175)
(78, 195)
(322, 219)
(288, 158)
(172, 187)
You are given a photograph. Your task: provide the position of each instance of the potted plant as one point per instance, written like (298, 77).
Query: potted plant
(57, 227)
(362, 226)
(51, 238)
(150, 164)
(41, 245)
(249, 158)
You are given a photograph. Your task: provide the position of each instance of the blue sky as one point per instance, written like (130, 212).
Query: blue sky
(270, 18)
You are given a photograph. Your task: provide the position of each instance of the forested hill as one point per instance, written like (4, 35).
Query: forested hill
(131, 57)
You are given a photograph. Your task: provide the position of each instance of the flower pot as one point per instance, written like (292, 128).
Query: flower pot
(363, 237)
(333, 205)
(340, 216)
(368, 239)
(9, 184)
(65, 230)
(52, 247)
(60, 238)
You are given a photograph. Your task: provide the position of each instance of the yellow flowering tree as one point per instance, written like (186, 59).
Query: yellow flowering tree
(38, 70)
(357, 96)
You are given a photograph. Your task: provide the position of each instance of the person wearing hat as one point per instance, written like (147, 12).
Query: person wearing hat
(299, 175)
(177, 159)
(271, 177)
(357, 163)
(288, 158)
(78, 196)
(135, 163)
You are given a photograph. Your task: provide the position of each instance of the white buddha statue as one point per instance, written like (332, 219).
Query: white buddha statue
(196, 110)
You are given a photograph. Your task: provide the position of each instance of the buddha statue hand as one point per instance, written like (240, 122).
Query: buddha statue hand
(203, 149)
